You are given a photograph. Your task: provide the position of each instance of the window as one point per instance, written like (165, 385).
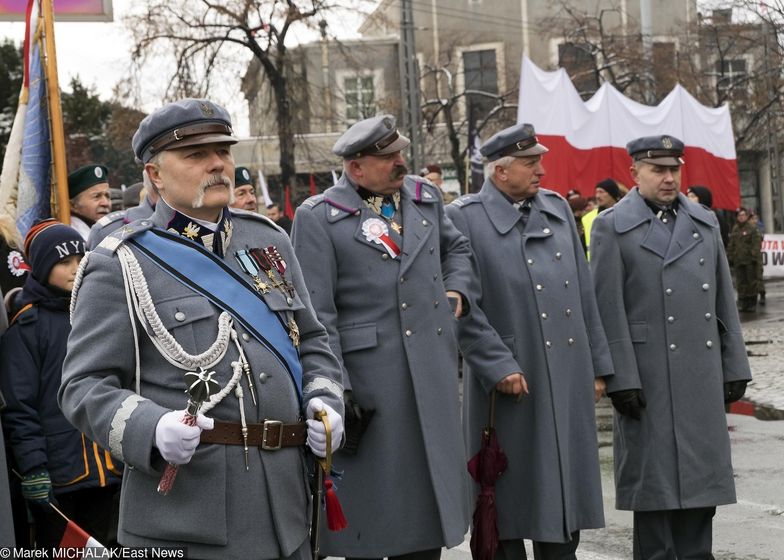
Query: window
(481, 74)
(360, 98)
(579, 62)
(731, 77)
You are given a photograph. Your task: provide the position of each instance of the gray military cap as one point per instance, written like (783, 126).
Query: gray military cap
(188, 122)
(517, 141)
(375, 136)
(659, 150)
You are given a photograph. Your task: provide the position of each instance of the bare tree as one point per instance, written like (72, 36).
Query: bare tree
(716, 59)
(199, 35)
(594, 50)
(449, 110)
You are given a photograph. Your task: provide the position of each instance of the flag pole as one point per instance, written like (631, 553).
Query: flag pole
(60, 206)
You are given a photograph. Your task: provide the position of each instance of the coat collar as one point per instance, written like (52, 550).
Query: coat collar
(165, 217)
(504, 216)
(632, 212)
(343, 200)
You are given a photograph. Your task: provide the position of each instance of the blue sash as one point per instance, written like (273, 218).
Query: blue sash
(207, 275)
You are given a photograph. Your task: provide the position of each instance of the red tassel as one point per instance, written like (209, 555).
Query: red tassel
(336, 521)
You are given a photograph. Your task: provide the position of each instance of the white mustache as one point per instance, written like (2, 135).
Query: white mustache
(213, 180)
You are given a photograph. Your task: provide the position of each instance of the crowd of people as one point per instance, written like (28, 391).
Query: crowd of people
(192, 336)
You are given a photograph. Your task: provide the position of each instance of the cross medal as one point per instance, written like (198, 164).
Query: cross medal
(251, 268)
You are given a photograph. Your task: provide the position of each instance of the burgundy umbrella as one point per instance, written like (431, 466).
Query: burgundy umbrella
(485, 467)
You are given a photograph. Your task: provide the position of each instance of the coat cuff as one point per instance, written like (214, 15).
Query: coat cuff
(132, 433)
(626, 374)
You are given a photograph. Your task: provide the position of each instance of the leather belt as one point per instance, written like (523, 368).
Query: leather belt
(269, 436)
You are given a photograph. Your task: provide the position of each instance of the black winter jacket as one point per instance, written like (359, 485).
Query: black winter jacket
(31, 360)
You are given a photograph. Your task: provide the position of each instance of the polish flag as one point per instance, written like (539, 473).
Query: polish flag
(587, 139)
(73, 536)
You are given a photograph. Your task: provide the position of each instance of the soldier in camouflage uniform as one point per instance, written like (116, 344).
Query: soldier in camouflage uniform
(744, 255)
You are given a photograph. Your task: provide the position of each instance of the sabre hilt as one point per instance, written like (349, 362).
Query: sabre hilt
(200, 386)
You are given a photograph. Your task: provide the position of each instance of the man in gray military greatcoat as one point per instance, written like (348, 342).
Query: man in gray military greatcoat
(665, 296)
(547, 356)
(381, 260)
(197, 288)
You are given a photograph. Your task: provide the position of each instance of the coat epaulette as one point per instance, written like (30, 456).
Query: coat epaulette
(111, 218)
(247, 214)
(109, 244)
(548, 192)
(314, 201)
(465, 200)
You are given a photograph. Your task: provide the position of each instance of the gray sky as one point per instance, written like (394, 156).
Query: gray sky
(99, 53)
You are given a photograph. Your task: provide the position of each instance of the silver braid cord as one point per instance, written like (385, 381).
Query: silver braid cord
(77, 284)
(163, 340)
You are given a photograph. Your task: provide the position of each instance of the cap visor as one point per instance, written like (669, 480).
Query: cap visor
(664, 161)
(535, 150)
(400, 144)
(200, 139)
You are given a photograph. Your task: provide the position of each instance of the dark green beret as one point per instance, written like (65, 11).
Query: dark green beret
(242, 176)
(85, 177)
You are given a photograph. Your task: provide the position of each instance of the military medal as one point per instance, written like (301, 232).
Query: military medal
(276, 261)
(263, 262)
(250, 267)
(376, 231)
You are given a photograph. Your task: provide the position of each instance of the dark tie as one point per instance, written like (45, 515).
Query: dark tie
(525, 210)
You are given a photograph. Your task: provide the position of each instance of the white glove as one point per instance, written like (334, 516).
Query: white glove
(177, 442)
(317, 434)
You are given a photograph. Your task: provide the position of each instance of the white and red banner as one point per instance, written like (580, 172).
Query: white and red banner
(587, 139)
(773, 255)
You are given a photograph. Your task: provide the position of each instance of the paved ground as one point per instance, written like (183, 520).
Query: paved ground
(752, 529)
(764, 335)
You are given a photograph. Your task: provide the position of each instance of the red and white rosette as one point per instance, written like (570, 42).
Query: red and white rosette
(376, 231)
(16, 263)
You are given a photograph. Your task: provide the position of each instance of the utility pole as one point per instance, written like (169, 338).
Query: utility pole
(646, 30)
(409, 84)
(772, 144)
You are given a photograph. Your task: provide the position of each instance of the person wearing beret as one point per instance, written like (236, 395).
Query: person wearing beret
(666, 301)
(607, 193)
(244, 190)
(88, 188)
(545, 359)
(388, 274)
(202, 298)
